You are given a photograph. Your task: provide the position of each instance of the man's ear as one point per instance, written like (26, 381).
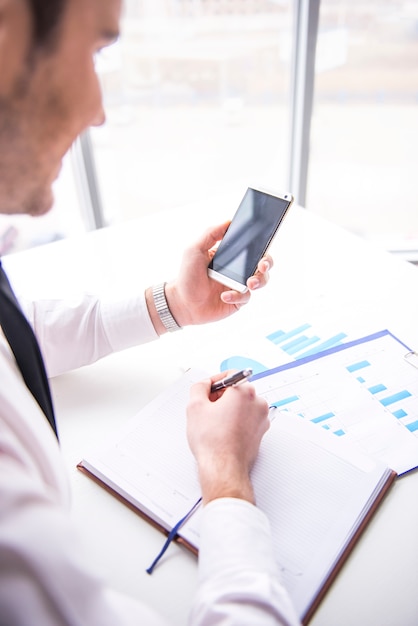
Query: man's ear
(15, 41)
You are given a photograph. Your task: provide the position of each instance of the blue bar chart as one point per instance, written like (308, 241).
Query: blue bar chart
(298, 344)
(292, 344)
(393, 401)
(363, 387)
(303, 406)
(295, 341)
(363, 391)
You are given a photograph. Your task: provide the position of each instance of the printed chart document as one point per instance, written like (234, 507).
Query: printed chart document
(317, 490)
(364, 391)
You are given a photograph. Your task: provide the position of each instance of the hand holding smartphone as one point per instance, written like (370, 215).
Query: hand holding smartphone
(248, 237)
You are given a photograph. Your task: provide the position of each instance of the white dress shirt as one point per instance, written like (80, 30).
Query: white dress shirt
(45, 577)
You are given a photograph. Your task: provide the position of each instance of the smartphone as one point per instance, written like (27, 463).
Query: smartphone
(248, 237)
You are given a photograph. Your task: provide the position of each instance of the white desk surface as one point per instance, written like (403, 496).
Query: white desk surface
(323, 275)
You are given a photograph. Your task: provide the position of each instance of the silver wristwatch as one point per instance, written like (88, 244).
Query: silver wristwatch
(164, 313)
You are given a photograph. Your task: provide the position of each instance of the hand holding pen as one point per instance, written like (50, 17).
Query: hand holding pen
(224, 433)
(234, 379)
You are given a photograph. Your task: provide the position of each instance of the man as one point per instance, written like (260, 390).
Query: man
(49, 93)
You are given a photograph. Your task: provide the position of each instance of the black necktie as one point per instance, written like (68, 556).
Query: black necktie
(25, 348)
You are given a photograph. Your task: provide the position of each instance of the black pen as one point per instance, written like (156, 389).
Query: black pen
(231, 380)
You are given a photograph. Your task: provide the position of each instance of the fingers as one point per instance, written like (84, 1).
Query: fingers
(265, 264)
(235, 297)
(224, 434)
(200, 391)
(200, 299)
(237, 403)
(261, 276)
(211, 236)
(259, 280)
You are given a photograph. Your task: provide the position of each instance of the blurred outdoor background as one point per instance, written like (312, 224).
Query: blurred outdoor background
(197, 96)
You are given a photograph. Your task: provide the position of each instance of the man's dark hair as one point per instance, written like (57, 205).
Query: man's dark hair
(46, 19)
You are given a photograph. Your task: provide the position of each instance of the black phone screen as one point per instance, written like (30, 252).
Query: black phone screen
(249, 234)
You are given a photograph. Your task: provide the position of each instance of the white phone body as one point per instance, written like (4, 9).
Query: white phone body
(248, 237)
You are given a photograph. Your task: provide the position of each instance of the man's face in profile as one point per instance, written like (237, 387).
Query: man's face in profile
(48, 95)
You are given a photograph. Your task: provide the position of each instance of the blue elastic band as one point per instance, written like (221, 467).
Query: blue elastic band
(172, 535)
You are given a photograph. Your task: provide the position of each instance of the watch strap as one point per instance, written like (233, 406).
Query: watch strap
(161, 305)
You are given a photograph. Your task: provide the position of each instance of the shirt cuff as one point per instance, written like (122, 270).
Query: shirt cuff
(242, 536)
(128, 324)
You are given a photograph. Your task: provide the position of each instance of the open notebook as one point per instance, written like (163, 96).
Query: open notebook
(318, 491)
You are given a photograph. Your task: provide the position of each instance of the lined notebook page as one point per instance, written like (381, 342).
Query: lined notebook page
(315, 491)
(149, 461)
(315, 488)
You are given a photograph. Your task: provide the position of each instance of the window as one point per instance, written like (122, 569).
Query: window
(364, 131)
(197, 100)
(197, 97)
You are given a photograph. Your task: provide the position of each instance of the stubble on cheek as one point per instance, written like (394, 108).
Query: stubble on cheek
(25, 180)
(22, 188)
